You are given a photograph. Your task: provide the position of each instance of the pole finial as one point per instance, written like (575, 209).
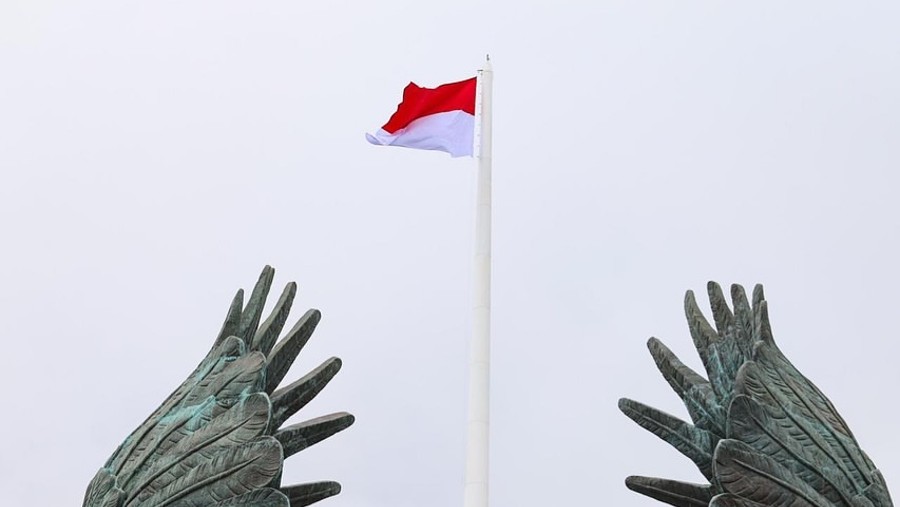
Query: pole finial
(487, 63)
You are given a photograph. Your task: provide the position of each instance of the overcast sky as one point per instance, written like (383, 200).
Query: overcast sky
(155, 155)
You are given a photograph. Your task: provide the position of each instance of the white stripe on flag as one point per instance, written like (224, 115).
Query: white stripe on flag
(453, 132)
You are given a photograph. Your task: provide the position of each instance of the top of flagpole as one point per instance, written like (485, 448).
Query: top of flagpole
(487, 67)
(485, 80)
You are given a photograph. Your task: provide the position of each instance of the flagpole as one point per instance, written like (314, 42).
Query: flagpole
(478, 427)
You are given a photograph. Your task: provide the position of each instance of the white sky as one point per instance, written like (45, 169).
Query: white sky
(155, 155)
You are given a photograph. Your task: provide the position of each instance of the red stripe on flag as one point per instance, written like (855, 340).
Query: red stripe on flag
(419, 102)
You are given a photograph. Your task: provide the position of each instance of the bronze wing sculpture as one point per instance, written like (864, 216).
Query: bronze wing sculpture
(762, 433)
(218, 440)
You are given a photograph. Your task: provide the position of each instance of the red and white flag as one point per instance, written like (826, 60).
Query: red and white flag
(441, 118)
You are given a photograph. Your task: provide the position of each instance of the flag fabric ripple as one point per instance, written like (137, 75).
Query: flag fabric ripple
(441, 118)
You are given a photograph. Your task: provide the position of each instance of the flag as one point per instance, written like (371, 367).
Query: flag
(441, 118)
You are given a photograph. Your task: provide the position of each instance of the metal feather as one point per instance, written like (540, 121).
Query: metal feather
(695, 443)
(211, 443)
(677, 493)
(777, 439)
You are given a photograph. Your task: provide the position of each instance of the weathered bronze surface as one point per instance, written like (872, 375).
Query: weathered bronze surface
(762, 433)
(218, 440)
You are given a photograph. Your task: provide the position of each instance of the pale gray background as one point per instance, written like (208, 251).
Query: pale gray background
(155, 155)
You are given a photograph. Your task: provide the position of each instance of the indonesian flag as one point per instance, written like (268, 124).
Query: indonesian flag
(441, 118)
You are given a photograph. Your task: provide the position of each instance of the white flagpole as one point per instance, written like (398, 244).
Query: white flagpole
(477, 447)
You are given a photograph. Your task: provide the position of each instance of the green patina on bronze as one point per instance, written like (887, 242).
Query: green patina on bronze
(218, 440)
(762, 433)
